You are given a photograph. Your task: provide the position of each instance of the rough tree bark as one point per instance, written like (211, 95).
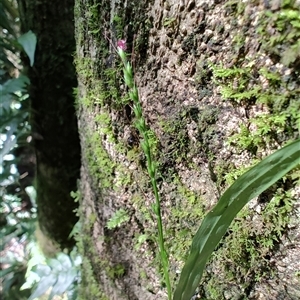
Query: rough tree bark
(219, 86)
(189, 57)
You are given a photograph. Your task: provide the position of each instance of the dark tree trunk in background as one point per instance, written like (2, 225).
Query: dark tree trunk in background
(53, 119)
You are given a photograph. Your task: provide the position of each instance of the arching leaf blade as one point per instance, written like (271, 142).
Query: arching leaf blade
(217, 221)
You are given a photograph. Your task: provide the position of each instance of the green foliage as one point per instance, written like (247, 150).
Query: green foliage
(169, 22)
(88, 287)
(147, 145)
(282, 117)
(217, 221)
(185, 212)
(251, 184)
(28, 42)
(17, 221)
(280, 32)
(241, 256)
(12, 278)
(234, 83)
(13, 122)
(14, 99)
(120, 216)
(99, 159)
(118, 23)
(16, 229)
(7, 13)
(112, 92)
(253, 237)
(60, 274)
(116, 271)
(285, 24)
(140, 239)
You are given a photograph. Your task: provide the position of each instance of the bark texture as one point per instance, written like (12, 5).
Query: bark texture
(213, 78)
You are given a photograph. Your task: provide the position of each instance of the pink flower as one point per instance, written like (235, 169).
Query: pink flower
(121, 44)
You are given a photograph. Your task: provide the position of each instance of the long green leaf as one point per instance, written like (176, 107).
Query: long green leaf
(15, 85)
(6, 271)
(64, 280)
(217, 221)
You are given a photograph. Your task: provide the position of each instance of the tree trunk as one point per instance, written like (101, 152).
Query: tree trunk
(209, 80)
(219, 86)
(54, 123)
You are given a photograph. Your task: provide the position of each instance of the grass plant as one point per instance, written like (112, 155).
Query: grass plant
(217, 221)
(140, 124)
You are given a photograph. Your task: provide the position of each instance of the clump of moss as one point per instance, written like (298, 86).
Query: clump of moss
(175, 142)
(244, 256)
(282, 119)
(280, 31)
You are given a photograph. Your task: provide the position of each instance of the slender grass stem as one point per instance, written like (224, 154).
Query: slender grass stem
(141, 126)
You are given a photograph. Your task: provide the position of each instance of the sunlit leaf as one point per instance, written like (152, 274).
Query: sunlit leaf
(9, 142)
(14, 85)
(43, 286)
(10, 117)
(64, 280)
(54, 264)
(65, 260)
(5, 63)
(42, 270)
(290, 55)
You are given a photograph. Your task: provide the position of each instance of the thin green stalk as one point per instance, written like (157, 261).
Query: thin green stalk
(141, 126)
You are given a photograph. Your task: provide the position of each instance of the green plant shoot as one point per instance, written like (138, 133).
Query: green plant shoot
(146, 146)
(121, 216)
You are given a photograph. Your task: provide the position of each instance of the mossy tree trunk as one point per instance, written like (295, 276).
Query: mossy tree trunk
(219, 88)
(207, 97)
(53, 117)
